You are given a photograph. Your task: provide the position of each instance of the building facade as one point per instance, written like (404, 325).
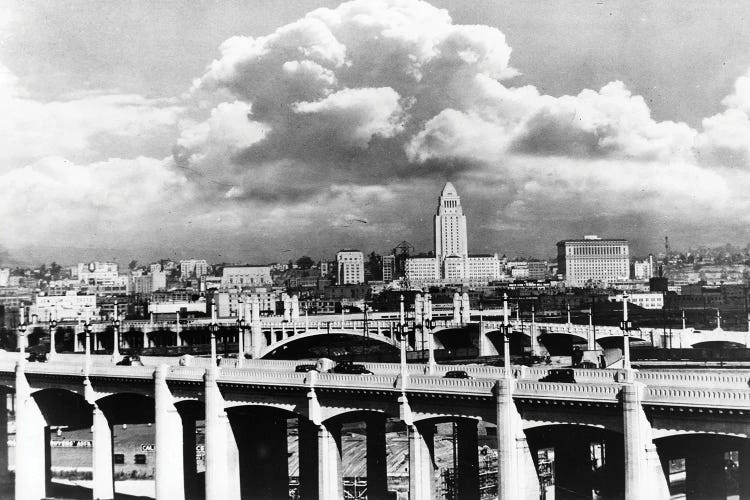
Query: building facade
(593, 261)
(389, 268)
(242, 276)
(70, 306)
(196, 267)
(351, 267)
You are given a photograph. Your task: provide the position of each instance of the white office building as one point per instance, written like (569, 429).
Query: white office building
(593, 261)
(351, 267)
(243, 276)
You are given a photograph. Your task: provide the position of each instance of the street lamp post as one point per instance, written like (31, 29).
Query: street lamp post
(213, 328)
(52, 331)
(22, 333)
(116, 334)
(403, 338)
(506, 340)
(626, 326)
(87, 333)
(240, 334)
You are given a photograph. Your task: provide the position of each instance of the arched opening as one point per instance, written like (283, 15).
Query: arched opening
(561, 344)
(65, 428)
(460, 458)
(705, 466)
(339, 347)
(192, 413)
(264, 449)
(577, 461)
(373, 454)
(126, 420)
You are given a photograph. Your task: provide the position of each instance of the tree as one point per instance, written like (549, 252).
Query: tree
(133, 264)
(305, 262)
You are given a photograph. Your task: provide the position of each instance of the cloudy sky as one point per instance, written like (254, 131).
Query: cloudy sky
(258, 131)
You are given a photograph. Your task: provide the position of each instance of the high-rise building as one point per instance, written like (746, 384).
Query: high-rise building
(450, 226)
(197, 267)
(351, 267)
(389, 268)
(452, 262)
(593, 261)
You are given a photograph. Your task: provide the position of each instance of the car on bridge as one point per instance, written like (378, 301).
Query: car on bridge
(131, 360)
(349, 367)
(304, 368)
(457, 374)
(560, 375)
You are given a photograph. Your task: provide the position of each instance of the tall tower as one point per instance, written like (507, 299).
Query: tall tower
(450, 227)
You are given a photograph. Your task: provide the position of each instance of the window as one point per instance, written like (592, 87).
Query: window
(119, 458)
(140, 459)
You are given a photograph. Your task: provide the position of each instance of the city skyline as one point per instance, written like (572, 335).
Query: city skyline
(263, 132)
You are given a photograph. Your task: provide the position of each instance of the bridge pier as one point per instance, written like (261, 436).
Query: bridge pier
(169, 446)
(644, 477)
(421, 456)
(330, 484)
(32, 459)
(101, 460)
(222, 456)
(189, 465)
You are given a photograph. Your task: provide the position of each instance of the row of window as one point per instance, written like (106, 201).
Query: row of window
(138, 458)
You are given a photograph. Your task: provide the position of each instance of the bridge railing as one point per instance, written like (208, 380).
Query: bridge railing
(567, 391)
(699, 397)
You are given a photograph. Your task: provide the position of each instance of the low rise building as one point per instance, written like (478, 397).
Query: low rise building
(245, 276)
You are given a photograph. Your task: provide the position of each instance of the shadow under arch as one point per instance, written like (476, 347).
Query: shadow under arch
(703, 465)
(61, 407)
(127, 408)
(576, 459)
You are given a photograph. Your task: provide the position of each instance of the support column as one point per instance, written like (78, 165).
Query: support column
(308, 460)
(330, 484)
(103, 468)
(295, 308)
(516, 471)
(532, 334)
(456, 308)
(255, 328)
(465, 308)
(421, 451)
(169, 450)
(468, 460)
(32, 470)
(644, 477)
(222, 460)
(377, 468)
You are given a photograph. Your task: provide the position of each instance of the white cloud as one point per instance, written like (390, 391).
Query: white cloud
(32, 129)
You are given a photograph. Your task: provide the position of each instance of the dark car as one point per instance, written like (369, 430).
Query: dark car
(304, 368)
(348, 367)
(560, 375)
(130, 361)
(457, 374)
(40, 357)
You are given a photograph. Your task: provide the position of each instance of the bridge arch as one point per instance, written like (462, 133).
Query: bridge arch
(346, 340)
(64, 408)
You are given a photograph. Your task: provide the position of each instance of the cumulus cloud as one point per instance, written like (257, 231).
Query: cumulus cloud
(59, 202)
(361, 113)
(33, 129)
